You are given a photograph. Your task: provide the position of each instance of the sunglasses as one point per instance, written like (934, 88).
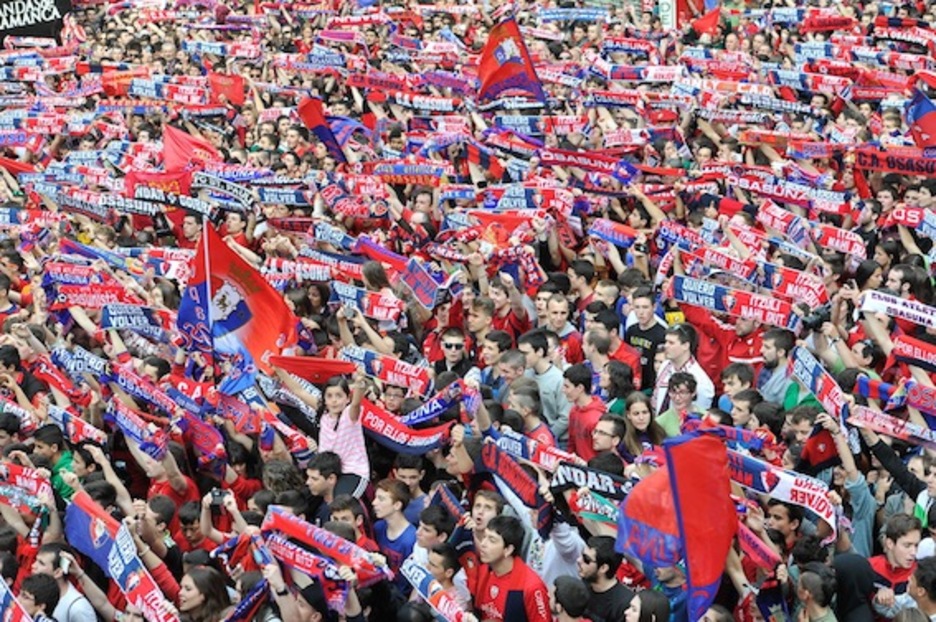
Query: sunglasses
(588, 559)
(453, 346)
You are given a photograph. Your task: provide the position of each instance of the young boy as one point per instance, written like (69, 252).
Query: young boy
(395, 535)
(409, 469)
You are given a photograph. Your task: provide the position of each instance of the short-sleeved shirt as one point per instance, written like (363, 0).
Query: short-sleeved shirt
(517, 596)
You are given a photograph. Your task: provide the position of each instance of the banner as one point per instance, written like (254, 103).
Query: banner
(882, 423)
(452, 395)
(894, 306)
(32, 18)
(812, 376)
(295, 556)
(573, 476)
(336, 548)
(421, 282)
(374, 305)
(523, 447)
(152, 441)
(140, 320)
(512, 479)
(432, 592)
(389, 369)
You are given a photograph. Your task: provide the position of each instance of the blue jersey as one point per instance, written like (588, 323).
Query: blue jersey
(396, 551)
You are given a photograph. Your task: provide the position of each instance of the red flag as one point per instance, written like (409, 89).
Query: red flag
(505, 67)
(229, 85)
(181, 149)
(312, 113)
(315, 369)
(819, 452)
(701, 490)
(230, 306)
(708, 23)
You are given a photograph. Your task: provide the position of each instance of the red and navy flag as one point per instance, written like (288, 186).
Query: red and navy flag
(705, 514)
(921, 117)
(229, 308)
(313, 116)
(647, 527)
(505, 67)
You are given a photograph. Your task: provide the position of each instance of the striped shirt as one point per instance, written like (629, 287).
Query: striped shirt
(345, 438)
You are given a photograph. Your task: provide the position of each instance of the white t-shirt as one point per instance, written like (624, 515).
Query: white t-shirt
(74, 607)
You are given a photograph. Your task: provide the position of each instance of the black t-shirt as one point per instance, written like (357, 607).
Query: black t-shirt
(609, 606)
(646, 341)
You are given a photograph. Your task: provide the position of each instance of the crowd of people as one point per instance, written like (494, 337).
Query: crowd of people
(393, 311)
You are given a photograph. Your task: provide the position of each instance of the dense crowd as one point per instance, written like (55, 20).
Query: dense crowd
(410, 311)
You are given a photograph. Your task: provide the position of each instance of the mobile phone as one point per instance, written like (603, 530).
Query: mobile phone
(64, 564)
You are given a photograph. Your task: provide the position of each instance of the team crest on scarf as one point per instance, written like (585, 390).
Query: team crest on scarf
(769, 479)
(729, 301)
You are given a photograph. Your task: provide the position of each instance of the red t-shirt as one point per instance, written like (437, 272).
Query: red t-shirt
(582, 420)
(518, 596)
(630, 356)
(165, 488)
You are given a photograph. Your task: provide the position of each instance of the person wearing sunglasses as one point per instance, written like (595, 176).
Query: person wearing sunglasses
(454, 353)
(597, 566)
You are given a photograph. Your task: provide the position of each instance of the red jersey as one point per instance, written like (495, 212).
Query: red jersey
(518, 596)
(511, 323)
(582, 420)
(543, 435)
(726, 346)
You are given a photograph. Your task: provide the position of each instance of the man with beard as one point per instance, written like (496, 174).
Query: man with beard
(773, 381)
(597, 566)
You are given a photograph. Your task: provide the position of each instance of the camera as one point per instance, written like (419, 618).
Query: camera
(817, 318)
(217, 497)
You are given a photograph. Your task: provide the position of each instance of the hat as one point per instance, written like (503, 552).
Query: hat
(315, 596)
